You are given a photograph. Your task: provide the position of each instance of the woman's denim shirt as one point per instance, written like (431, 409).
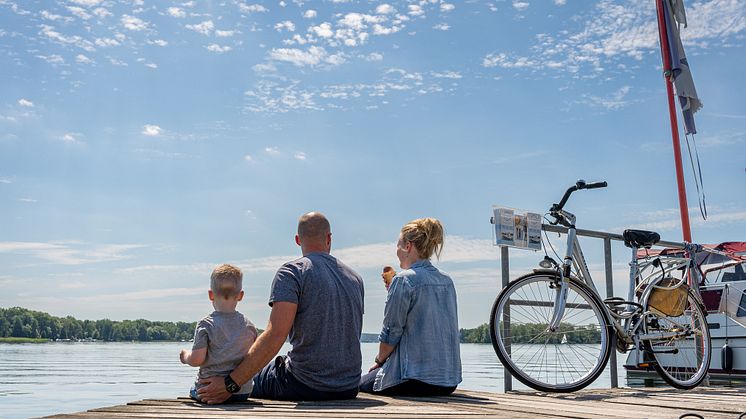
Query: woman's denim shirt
(421, 320)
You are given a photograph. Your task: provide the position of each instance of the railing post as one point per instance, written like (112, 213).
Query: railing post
(507, 378)
(610, 293)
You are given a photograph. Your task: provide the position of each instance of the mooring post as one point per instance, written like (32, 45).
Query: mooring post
(507, 378)
(610, 293)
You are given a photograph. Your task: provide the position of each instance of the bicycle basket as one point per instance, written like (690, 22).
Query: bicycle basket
(669, 296)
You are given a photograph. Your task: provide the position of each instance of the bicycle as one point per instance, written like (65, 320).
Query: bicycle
(553, 332)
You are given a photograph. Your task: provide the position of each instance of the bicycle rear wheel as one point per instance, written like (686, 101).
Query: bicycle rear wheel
(564, 360)
(683, 360)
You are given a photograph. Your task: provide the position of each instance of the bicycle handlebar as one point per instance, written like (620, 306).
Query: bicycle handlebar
(580, 184)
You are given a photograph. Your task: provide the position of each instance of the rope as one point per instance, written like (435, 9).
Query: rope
(697, 176)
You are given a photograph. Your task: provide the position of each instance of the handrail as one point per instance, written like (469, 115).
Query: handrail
(604, 235)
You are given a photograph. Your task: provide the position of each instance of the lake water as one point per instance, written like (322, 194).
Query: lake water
(44, 379)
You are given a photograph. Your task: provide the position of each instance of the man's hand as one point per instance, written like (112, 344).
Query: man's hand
(184, 356)
(214, 391)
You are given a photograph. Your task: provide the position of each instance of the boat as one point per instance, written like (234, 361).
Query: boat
(564, 339)
(723, 292)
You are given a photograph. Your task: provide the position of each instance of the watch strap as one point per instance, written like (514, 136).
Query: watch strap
(231, 385)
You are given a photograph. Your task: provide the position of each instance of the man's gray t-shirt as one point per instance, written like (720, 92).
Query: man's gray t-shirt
(326, 332)
(227, 337)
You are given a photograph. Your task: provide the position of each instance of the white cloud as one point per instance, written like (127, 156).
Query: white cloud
(102, 13)
(205, 28)
(70, 138)
(248, 158)
(224, 34)
(86, 3)
(28, 201)
(272, 151)
(323, 30)
(285, 25)
(106, 42)
(299, 155)
(53, 59)
(442, 27)
(385, 9)
(416, 10)
(520, 5)
(133, 23)
(151, 130)
(218, 49)
(158, 42)
(312, 57)
(79, 12)
(151, 65)
(615, 100)
(446, 7)
(252, 8)
(5, 181)
(309, 14)
(447, 75)
(70, 253)
(374, 56)
(176, 12)
(52, 34)
(560, 2)
(82, 59)
(25, 103)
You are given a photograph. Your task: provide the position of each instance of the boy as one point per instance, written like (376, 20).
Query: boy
(223, 338)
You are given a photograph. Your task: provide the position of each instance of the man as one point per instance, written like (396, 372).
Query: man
(318, 302)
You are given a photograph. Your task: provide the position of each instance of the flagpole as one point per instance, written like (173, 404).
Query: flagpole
(665, 52)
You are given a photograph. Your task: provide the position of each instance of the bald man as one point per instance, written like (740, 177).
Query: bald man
(317, 301)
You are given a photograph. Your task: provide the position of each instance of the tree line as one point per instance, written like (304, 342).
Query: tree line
(526, 332)
(22, 323)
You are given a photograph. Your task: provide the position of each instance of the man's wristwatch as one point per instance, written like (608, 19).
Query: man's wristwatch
(231, 385)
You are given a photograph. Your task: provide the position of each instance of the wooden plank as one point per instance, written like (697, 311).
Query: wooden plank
(624, 402)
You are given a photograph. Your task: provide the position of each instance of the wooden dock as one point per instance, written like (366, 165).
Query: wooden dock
(613, 403)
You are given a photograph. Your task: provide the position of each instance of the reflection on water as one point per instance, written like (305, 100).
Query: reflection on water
(44, 379)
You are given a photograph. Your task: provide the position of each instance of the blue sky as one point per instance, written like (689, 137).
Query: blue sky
(142, 143)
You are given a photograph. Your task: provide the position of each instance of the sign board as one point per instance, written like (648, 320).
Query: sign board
(517, 228)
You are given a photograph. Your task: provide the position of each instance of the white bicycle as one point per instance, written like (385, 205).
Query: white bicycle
(553, 332)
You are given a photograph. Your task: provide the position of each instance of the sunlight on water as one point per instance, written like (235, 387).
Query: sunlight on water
(45, 379)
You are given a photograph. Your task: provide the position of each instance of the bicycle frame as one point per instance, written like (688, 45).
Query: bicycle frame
(639, 286)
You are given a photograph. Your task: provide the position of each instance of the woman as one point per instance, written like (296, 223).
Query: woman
(419, 350)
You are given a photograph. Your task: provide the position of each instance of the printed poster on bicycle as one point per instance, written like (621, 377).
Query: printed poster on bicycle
(517, 228)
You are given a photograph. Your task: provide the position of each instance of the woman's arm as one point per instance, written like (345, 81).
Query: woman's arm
(395, 313)
(384, 351)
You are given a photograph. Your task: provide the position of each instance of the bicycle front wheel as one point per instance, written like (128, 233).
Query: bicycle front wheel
(682, 352)
(563, 360)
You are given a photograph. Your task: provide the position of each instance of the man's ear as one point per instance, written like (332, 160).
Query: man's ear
(211, 295)
(240, 296)
(329, 239)
(297, 240)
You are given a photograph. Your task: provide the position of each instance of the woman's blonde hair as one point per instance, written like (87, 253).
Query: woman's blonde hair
(426, 234)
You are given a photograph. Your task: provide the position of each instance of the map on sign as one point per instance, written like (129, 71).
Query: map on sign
(516, 228)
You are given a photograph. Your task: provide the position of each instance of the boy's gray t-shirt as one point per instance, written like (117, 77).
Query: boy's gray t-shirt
(227, 337)
(326, 332)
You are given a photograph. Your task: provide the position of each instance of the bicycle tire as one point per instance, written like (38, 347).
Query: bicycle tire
(694, 352)
(572, 365)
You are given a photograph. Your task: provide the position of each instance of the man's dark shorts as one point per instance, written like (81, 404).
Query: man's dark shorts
(275, 382)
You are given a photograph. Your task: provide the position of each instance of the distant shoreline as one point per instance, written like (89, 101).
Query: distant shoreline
(23, 340)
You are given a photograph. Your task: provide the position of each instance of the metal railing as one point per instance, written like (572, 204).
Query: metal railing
(607, 238)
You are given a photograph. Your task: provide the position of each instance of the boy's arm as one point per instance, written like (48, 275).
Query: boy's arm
(194, 358)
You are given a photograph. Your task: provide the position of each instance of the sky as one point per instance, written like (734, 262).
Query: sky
(142, 143)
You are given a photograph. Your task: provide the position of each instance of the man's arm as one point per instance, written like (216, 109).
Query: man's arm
(193, 358)
(264, 349)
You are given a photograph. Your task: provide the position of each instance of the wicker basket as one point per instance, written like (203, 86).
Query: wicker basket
(669, 297)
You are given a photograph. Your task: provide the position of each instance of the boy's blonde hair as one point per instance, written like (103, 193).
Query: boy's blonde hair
(226, 281)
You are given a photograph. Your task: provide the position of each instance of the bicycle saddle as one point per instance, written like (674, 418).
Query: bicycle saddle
(640, 238)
